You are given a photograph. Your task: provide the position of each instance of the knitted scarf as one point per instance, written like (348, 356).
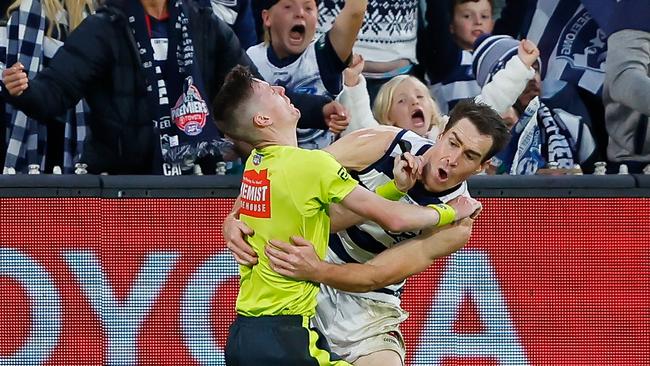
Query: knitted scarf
(176, 98)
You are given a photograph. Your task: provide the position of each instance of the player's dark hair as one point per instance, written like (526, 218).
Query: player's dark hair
(486, 120)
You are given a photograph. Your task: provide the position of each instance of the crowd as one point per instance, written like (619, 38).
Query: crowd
(406, 99)
(125, 87)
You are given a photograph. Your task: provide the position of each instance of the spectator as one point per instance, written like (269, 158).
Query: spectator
(626, 89)
(387, 39)
(290, 56)
(573, 45)
(36, 29)
(627, 98)
(239, 16)
(545, 131)
(405, 102)
(136, 62)
(449, 42)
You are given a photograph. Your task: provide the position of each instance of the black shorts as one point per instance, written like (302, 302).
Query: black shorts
(277, 341)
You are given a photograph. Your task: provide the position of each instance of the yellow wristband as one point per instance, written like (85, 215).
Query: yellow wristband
(390, 191)
(447, 213)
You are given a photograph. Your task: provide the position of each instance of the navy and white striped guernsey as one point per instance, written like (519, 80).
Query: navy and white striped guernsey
(360, 243)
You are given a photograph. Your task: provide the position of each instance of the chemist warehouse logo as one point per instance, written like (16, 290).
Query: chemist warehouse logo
(255, 195)
(583, 44)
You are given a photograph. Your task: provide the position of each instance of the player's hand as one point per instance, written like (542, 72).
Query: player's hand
(15, 79)
(234, 233)
(298, 261)
(406, 170)
(465, 207)
(336, 117)
(352, 72)
(454, 237)
(528, 52)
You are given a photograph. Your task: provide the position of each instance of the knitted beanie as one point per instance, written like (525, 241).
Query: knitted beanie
(491, 53)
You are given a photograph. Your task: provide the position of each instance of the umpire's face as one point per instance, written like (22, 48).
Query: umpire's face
(457, 155)
(270, 102)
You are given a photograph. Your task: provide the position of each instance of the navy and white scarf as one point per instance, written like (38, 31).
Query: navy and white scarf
(537, 138)
(176, 98)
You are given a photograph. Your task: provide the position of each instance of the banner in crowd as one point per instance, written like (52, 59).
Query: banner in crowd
(92, 281)
(572, 45)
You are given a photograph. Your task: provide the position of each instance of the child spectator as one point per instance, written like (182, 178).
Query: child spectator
(35, 31)
(555, 129)
(449, 41)
(405, 102)
(290, 56)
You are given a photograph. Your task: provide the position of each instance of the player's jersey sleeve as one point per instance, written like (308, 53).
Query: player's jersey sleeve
(327, 181)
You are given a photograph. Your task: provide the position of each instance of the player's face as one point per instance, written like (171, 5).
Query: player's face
(411, 107)
(456, 155)
(471, 19)
(271, 101)
(292, 24)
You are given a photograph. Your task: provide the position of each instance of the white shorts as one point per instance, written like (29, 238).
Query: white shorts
(355, 326)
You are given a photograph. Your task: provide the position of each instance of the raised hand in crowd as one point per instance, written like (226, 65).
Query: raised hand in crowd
(352, 72)
(528, 52)
(15, 79)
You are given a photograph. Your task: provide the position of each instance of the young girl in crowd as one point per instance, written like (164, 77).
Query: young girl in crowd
(405, 101)
(35, 31)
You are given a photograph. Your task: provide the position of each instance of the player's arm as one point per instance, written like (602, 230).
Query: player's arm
(361, 148)
(299, 260)
(358, 150)
(346, 26)
(399, 217)
(406, 170)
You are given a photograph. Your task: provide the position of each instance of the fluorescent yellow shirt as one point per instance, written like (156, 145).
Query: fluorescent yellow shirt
(286, 191)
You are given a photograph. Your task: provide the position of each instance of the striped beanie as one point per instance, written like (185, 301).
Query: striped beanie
(491, 53)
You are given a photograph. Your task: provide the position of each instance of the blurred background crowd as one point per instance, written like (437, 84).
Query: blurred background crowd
(125, 86)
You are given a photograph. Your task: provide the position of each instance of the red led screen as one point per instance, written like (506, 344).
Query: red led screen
(148, 281)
